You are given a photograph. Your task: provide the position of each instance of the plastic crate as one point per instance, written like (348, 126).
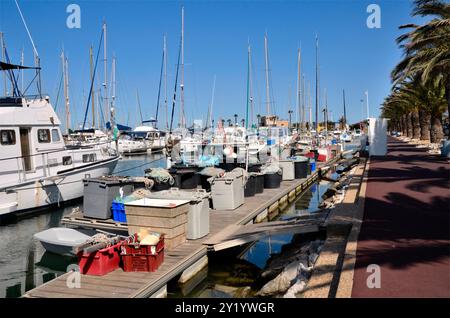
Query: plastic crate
(118, 211)
(100, 262)
(142, 262)
(132, 246)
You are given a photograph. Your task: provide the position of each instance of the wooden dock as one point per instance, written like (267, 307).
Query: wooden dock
(141, 284)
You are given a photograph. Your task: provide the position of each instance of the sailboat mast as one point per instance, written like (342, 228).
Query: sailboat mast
(105, 84)
(326, 113)
(299, 61)
(22, 63)
(317, 84)
(139, 106)
(248, 85)
(210, 110)
(113, 95)
(165, 84)
(182, 118)
(65, 68)
(310, 105)
(303, 103)
(3, 60)
(267, 76)
(92, 91)
(345, 113)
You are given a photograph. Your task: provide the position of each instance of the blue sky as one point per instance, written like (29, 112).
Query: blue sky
(352, 56)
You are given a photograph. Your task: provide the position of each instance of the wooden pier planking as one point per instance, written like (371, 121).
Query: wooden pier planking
(121, 284)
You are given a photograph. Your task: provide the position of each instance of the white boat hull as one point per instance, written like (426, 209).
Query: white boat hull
(50, 191)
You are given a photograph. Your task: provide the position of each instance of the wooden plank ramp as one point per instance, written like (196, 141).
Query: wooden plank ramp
(238, 234)
(121, 284)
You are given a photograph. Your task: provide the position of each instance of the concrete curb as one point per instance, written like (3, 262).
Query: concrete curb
(339, 251)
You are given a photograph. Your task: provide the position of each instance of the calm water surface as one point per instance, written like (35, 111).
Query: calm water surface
(24, 264)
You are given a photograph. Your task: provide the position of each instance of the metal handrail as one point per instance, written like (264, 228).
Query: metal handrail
(55, 151)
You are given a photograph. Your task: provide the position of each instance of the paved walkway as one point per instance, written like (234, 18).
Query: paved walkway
(406, 228)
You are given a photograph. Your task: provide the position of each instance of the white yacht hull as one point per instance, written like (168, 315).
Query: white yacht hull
(53, 190)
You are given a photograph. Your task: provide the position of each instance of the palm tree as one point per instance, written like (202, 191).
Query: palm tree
(411, 105)
(427, 51)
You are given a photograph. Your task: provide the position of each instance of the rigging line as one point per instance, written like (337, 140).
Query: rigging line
(59, 90)
(92, 81)
(175, 91)
(159, 88)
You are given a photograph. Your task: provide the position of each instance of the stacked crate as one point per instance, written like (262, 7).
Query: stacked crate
(159, 215)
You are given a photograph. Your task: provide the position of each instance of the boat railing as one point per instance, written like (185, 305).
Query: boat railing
(43, 161)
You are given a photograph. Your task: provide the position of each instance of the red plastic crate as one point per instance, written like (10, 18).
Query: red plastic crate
(132, 246)
(142, 262)
(100, 262)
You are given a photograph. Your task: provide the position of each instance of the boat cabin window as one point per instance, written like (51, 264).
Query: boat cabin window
(67, 160)
(55, 135)
(44, 135)
(8, 137)
(91, 157)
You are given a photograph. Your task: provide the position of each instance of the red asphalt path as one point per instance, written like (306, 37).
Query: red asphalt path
(406, 227)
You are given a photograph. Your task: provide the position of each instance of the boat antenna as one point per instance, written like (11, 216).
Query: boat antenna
(36, 54)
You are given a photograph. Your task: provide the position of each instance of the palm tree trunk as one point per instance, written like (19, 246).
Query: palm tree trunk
(415, 125)
(436, 129)
(409, 125)
(447, 97)
(404, 126)
(424, 121)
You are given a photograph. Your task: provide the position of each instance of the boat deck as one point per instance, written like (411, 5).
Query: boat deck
(142, 284)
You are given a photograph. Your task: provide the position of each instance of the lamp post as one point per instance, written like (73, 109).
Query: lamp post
(235, 119)
(243, 122)
(258, 117)
(229, 122)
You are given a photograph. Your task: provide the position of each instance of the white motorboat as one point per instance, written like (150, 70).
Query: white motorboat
(37, 168)
(61, 240)
(154, 138)
(129, 145)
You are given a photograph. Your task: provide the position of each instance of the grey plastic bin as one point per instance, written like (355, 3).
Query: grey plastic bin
(198, 215)
(99, 193)
(227, 193)
(288, 168)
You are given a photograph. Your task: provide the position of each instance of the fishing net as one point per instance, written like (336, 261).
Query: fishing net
(271, 168)
(211, 172)
(160, 175)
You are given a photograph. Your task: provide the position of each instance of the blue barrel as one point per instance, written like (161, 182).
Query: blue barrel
(313, 166)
